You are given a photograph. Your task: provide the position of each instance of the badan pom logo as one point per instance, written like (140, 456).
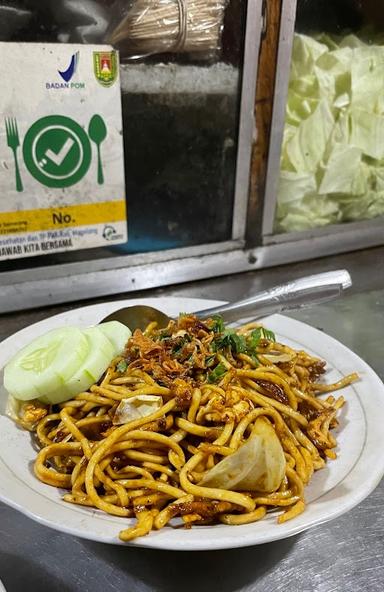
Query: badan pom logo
(69, 73)
(67, 76)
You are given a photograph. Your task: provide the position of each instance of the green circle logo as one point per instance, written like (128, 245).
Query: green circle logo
(57, 151)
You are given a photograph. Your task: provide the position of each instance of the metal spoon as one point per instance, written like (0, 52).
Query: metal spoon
(300, 293)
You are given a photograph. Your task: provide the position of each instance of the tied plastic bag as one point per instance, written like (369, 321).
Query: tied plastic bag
(13, 17)
(75, 21)
(148, 27)
(66, 21)
(138, 28)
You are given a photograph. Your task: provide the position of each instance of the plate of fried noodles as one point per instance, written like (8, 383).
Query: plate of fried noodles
(198, 435)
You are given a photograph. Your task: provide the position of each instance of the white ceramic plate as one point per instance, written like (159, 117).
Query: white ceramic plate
(335, 490)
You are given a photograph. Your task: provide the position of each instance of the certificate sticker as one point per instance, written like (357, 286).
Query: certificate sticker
(61, 152)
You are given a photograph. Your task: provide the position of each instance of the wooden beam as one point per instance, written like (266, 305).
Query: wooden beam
(263, 117)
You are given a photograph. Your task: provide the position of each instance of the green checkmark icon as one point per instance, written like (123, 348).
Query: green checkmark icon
(58, 157)
(57, 151)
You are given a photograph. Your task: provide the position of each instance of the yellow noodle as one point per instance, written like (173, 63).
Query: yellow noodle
(143, 526)
(195, 404)
(328, 388)
(211, 492)
(246, 518)
(151, 467)
(296, 510)
(167, 513)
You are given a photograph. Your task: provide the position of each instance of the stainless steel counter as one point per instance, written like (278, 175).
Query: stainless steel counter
(344, 555)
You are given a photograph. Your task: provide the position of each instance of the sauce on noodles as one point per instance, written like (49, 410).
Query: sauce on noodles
(217, 387)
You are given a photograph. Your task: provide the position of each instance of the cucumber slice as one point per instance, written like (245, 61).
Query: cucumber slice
(45, 365)
(100, 354)
(62, 363)
(117, 333)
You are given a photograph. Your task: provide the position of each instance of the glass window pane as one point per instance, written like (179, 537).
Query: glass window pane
(181, 119)
(332, 161)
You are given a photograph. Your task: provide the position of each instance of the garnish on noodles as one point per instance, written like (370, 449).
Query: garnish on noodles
(196, 421)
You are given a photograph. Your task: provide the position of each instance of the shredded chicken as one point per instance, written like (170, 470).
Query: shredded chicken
(318, 429)
(31, 413)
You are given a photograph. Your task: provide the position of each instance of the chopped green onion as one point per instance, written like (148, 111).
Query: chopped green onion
(257, 335)
(163, 335)
(122, 366)
(255, 359)
(218, 324)
(238, 343)
(269, 335)
(178, 346)
(209, 360)
(217, 373)
(230, 339)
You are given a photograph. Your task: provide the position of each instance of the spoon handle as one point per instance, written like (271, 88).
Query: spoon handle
(301, 293)
(100, 174)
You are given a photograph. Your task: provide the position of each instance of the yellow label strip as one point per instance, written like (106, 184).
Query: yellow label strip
(65, 216)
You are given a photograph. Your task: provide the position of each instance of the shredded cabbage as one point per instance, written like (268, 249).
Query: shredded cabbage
(332, 163)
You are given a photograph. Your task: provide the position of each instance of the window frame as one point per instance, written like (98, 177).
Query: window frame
(43, 285)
